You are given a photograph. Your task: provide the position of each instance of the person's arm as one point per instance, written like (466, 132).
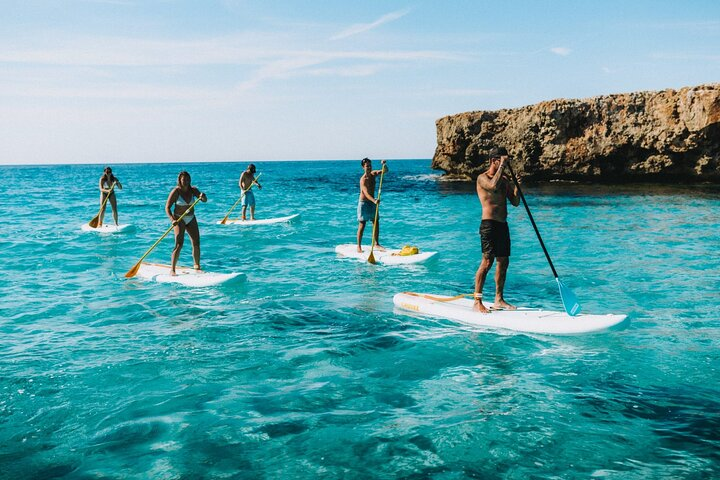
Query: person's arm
(512, 194)
(256, 183)
(384, 169)
(498, 175)
(168, 205)
(199, 194)
(117, 183)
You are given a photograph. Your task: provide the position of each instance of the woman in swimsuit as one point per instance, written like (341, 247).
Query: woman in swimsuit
(181, 197)
(106, 182)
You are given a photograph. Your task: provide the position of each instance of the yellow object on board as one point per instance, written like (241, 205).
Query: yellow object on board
(408, 250)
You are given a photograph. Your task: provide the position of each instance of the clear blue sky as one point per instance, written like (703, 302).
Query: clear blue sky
(114, 81)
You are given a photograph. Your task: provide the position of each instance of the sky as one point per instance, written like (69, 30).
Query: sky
(121, 81)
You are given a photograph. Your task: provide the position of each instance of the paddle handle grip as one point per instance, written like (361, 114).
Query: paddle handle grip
(532, 220)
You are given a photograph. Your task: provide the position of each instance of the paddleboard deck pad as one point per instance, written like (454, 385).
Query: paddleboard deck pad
(262, 221)
(186, 276)
(107, 228)
(525, 320)
(388, 257)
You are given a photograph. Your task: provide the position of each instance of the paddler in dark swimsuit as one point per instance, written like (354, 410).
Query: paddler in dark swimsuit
(367, 203)
(106, 183)
(494, 189)
(181, 197)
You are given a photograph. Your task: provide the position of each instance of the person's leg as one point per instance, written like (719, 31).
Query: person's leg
(102, 208)
(252, 212)
(361, 229)
(194, 233)
(244, 209)
(179, 230)
(480, 276)
(113, 203)
(500, 274)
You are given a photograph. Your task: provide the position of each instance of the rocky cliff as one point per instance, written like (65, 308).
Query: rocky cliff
(667, 136)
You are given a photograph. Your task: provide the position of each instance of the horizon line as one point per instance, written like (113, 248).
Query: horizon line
(207, 161)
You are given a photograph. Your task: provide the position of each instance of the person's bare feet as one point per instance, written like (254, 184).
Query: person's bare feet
(503, 305)
(479, 307)
(379, 248)
(197, 268)
(359, 249)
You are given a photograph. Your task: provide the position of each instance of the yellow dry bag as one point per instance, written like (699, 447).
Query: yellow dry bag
(408, 250)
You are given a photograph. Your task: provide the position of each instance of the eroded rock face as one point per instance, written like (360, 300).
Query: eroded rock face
(667, 136)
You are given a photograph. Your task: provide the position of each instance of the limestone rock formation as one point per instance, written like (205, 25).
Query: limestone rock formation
(667, 136)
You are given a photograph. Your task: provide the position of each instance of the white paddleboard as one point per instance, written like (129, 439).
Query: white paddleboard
(186, 276)
(262, 221)
(521, 320)
(108, 228)
(388, 257)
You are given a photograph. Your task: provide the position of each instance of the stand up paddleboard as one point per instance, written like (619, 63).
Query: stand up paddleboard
(108, 228)
(525, 320)
(186, 276)
(387, 257)
(263, 221)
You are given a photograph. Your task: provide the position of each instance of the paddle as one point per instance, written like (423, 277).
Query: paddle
(238, 200)
(371, 257)
(96, 219)
(133, 271)
(569, 300)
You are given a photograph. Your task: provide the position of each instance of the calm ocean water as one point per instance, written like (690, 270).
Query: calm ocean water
(305, 370)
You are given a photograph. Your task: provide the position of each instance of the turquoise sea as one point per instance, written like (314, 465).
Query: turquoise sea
(305, 370)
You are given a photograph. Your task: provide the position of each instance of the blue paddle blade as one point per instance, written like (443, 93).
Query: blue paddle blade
(569, 300)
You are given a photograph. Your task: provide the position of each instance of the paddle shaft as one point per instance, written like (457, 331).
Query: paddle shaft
(377, 211)
(239, 199)
(532, 220)
(133, 271)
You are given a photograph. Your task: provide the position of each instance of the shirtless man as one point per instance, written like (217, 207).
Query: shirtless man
(494, 189)
(106, 183)
(367, 203)
(246, 180)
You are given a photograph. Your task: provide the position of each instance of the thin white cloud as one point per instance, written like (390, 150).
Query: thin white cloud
(234, 50)
(685, 57)
(562, 51)
(704, 25)
(364, 27)
(109, 2)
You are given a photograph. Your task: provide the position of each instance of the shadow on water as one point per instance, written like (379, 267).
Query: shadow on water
(682, 417)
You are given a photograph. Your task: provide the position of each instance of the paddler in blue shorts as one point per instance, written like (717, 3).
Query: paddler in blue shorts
(367, 203)
(178, 202)
(247, 178)
(494, 189)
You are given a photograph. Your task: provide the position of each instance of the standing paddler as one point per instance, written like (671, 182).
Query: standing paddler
(494, 189)
(367, 203)
(180, 201)
(247, 179)
(108, 183)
